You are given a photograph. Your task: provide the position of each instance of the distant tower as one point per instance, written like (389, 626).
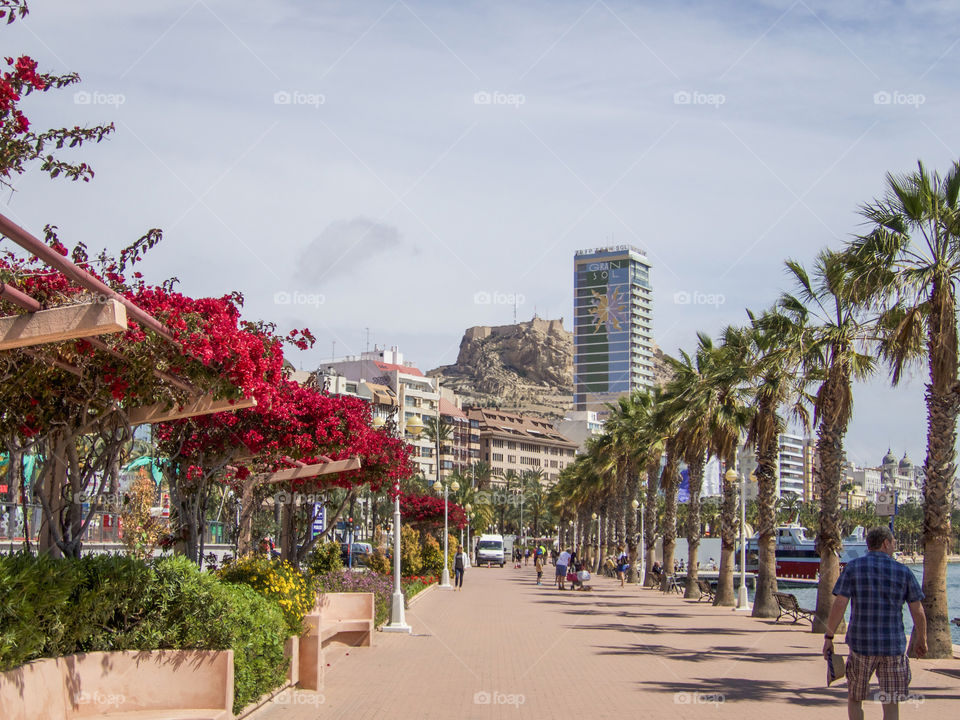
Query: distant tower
(612, 325)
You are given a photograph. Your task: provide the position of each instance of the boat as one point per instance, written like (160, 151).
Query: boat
(797, 556)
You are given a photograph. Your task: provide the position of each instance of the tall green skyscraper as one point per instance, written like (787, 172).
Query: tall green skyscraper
(612, 325)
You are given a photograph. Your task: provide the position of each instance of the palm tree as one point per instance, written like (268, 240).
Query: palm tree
(727, 416)
(692, 397)
(777, 344)
(438, 431)
(826, 304)
(909, 262)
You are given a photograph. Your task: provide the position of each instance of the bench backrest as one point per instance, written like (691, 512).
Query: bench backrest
(704, 586)
(345, 606)
(99, 683)
(787, 601)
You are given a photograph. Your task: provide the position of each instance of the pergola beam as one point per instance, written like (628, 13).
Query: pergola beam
(308, 471)
(70, 322)
(204, 405)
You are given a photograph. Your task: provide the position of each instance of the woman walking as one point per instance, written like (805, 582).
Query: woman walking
(623, 564)
(461, 561)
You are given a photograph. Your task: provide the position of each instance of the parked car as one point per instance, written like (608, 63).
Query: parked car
(362, 552)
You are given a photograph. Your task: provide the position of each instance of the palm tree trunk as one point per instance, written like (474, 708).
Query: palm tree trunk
(650, 522)
(829, 541)
(668, 480)
(940, 470)
(695, 471)
(764, 604)
(728, 539)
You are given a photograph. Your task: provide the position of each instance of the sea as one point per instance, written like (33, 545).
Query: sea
(807, 597)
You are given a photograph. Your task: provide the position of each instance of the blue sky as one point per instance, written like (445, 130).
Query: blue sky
(383, 165)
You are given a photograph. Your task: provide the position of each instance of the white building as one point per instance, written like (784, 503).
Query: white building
(580, 425)
(790, 466)
(417, 395)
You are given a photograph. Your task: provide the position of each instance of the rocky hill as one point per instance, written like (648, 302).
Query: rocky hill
(526, 368)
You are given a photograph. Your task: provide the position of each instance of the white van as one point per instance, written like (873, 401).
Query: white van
(490, 550)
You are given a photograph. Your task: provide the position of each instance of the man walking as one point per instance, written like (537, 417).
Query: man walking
(878, 585)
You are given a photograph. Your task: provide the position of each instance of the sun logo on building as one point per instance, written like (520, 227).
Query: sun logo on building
(607, 309)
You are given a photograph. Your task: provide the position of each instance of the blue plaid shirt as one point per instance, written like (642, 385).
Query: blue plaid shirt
(878, 586)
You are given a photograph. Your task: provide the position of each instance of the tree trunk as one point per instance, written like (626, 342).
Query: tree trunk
(650, 522)
(695, 470)
(728, 538)
(668, 481)
(829, 540)
(940, 470)
(288, 529)
(764, 604)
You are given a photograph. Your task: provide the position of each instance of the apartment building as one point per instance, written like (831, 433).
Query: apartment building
(519, 443)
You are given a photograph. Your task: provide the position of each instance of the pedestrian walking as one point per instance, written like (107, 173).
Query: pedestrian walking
(526, 557)
(461, 561)
(563, 559)
(538, 564)
(878, 586)
(623, 564)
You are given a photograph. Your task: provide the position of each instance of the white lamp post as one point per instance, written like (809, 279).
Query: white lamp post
(445, 578)
(643, 551)
(398, 622)
(469, 508)
(731, 476)
(597, 518)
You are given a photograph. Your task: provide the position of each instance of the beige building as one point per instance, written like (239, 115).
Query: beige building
(520, 443)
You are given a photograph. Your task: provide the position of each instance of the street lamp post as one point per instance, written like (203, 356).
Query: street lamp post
(596, 567)
(642, 549)
(731, 476)
(455, 486)
(398, 622)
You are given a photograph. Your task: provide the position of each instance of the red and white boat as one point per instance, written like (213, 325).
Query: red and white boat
(797, 556)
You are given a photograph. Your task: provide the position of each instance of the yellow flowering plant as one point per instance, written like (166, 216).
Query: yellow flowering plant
(275, 580)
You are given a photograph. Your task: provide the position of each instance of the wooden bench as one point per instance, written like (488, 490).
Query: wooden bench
(132, 684)
(707, 591)
(790, 607)
(673, 584)
(336, 617)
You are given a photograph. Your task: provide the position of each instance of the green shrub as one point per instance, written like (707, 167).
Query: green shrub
(275, 580)
(379, 563)
(324, 558)
(432, 555)
(411, 562)
(59, 607)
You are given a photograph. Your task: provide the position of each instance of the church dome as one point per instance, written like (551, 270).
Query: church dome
(906, 463)
(889, 458)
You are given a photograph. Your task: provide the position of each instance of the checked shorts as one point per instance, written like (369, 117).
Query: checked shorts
(893, 673)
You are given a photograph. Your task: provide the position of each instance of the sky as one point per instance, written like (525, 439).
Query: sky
(394, 172)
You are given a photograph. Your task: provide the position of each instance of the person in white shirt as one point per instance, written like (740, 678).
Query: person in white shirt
(562, 562)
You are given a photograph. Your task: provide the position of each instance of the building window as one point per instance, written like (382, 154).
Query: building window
(512, 459)
(497, 443)
(498, 457)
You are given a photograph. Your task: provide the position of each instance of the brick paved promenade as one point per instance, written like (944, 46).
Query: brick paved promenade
(505, 648)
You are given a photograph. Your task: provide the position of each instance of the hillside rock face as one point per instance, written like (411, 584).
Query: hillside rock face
(525, 368)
